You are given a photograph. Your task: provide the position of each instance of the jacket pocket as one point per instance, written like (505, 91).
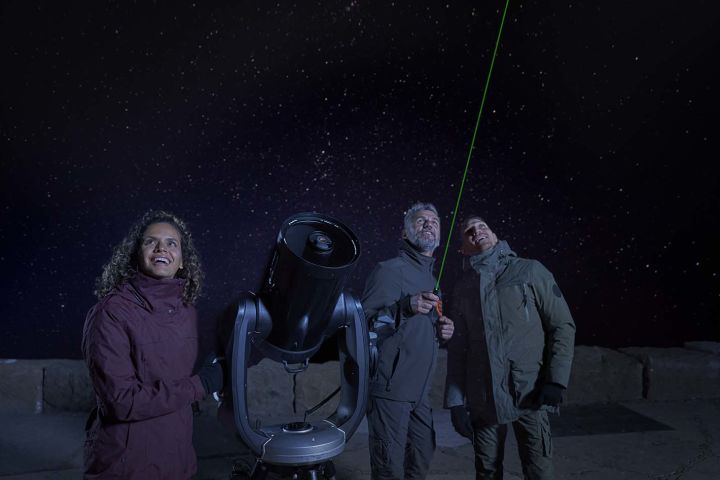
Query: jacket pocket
(522, 383)
(389, 360)
(514, 301)
(135, 457)
(546, 437)
(395, 363)
(105, 448)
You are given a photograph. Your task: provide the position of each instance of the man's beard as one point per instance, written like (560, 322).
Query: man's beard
(422, 243)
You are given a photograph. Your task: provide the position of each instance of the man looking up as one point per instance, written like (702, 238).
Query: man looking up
(510, 359)
(401, 309)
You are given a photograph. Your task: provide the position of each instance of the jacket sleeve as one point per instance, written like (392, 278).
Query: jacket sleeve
(457, 356)
(558, 325)
(382, 300)
(121, 395)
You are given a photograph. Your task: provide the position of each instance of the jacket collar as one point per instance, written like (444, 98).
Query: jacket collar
(492, 259)
(154, 293)
(423, 262)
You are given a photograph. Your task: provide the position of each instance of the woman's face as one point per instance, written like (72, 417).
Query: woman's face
(160, 251)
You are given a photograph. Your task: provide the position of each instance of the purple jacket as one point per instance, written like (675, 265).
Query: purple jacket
(140, 344)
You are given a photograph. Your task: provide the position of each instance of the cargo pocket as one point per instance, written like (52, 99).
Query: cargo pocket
(545, 436)
(380, 451)
(522, 384)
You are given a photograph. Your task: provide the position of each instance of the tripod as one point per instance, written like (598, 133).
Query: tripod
(242, 470)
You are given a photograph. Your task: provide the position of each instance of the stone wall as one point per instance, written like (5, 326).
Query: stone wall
(599, 375)
(678, 373)
(36, 386)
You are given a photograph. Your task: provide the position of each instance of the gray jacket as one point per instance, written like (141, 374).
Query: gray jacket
(407, 342)
(513, 332)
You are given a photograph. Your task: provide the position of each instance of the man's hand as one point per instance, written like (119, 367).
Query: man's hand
(550, 394)
(446, 327)
(423, 302)
(461, 421)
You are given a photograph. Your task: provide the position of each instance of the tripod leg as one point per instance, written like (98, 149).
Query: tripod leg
(260, 471)
(329, 470)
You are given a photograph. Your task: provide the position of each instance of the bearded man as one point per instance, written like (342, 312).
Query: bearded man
(401, 308)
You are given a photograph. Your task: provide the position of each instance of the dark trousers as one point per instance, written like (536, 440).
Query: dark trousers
(402, 439)
(532, 432)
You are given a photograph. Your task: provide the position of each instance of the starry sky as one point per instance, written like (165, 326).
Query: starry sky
(593, 154)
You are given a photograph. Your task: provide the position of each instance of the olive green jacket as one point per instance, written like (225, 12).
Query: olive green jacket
(513, 333)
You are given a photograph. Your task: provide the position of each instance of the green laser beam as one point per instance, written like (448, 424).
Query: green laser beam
(472, 143)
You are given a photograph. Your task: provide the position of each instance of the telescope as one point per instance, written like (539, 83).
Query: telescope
(300, 306)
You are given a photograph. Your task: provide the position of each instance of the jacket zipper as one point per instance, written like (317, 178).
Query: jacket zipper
(525, 305)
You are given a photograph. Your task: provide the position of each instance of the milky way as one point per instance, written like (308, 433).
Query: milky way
(594, 154)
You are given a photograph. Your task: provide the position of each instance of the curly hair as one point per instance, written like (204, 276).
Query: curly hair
(125, 257)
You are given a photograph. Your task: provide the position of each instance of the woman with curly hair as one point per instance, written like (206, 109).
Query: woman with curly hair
(140, 343)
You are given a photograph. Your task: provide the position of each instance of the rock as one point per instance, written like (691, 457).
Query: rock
(270, 391)
(269, 398)
(67, 387)
(709, 347)
(599, 375)
(21, 385)
(314, 385)
(678, 373)
(603, 375)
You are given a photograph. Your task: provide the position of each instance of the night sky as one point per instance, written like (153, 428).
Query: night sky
(595, 153)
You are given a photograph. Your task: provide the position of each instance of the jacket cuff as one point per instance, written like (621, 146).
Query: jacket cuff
(198, 388)
(557, 379)
(454, 396)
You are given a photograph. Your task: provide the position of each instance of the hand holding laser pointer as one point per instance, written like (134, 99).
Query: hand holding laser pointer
(445, 327)
(423, 302)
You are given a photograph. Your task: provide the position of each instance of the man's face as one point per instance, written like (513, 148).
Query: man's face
(424, 232)
(477, 237)
(160, 251)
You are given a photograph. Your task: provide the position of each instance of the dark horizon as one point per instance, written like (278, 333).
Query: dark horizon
(594, 154)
